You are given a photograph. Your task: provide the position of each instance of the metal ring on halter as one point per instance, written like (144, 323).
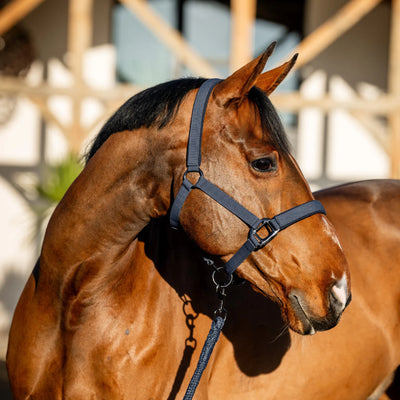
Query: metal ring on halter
(196, 171)
(222, 285)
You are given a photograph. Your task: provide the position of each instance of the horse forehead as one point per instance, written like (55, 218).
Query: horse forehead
(242, 123)
(249, 115)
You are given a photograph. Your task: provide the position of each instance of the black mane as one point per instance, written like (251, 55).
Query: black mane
(155, 105)
(159, 104)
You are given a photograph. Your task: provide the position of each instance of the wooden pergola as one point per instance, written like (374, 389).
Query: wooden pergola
(243, 16)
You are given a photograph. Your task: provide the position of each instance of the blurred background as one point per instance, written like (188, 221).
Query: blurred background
(65, 66)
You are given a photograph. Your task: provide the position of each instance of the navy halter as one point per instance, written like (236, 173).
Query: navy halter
(193, 160)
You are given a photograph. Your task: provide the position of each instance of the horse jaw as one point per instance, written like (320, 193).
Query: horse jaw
(307, 306)
(303, 269)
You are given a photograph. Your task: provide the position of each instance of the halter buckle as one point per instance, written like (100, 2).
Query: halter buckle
(258, 240)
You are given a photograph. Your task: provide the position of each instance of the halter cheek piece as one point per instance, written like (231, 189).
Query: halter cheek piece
(273, 225)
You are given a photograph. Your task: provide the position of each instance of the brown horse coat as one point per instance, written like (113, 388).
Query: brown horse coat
(120, 300)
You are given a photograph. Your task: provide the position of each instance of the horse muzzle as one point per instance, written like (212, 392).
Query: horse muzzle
(307, 322)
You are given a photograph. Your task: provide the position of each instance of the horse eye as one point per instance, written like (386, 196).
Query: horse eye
(263, 164)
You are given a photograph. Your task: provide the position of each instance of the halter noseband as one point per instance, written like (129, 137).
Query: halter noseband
(193, 160)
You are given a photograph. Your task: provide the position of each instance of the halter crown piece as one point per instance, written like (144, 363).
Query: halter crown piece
(193, 160)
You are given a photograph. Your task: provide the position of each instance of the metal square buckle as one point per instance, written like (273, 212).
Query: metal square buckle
(260, 241)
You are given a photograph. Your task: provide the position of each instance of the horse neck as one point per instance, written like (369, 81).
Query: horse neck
(120, 190)
(179, 261)
(178, 285)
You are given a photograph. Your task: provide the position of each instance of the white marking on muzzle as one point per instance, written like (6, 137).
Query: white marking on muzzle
(339, 290)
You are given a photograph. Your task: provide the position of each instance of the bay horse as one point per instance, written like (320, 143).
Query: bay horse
(118, 302)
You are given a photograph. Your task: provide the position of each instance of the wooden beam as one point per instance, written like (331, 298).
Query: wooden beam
(331, 30)
(376, 128)
(79, 40)
(170, 37)
(286, 101)
(20, 86)
(14, 11)
(243, 14)
(79, 36)
(294, 102)
(47, 114)
(394, 88)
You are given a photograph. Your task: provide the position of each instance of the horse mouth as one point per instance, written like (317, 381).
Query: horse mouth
(301, 315)
(308, 325)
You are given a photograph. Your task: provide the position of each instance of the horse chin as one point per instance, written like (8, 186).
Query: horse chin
(303, 327)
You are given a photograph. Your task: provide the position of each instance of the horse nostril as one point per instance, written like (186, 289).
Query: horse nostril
(338, 297)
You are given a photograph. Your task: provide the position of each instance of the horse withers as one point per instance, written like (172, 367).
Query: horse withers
(102, 315)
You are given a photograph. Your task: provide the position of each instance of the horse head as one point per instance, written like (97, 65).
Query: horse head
(245, 153)
(139, 166)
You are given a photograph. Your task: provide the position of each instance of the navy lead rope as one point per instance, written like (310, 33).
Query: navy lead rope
(255, 239)
(212, 338)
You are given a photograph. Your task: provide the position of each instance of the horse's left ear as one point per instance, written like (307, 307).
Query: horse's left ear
(269, 81)
(233, 89)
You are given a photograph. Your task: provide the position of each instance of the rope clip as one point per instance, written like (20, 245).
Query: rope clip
(220, 288)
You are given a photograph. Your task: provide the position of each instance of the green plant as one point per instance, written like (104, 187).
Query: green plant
(57, 179)
(45, 192)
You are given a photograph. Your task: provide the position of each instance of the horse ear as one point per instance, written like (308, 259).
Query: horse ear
(270, 80)
(233, 89)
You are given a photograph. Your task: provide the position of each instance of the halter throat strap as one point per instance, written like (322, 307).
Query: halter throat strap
(271, 226)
